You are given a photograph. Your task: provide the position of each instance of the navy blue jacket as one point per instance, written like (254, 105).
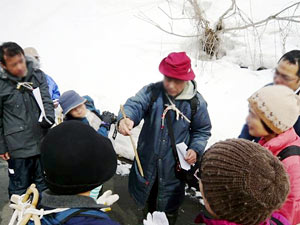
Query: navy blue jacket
(80, 220)
(154, 146)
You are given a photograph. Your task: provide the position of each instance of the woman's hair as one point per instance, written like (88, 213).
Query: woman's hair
(268, 129)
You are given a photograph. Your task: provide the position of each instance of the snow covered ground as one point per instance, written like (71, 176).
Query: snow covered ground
(102, 49)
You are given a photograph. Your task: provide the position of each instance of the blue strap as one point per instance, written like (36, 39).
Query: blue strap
(62, 217)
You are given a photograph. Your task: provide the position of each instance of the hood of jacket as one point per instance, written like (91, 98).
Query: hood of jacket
(188, 92)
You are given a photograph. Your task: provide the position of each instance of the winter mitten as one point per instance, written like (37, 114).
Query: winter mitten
(157, 218)
(108, 198)
(108, 117)
(45, 124)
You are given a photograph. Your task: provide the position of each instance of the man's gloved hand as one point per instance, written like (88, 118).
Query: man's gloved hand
(157, 218)
(108, 198)
(108, 117)
(45, 124)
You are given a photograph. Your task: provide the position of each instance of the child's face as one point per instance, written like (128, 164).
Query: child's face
(256, 128)
(79, 111)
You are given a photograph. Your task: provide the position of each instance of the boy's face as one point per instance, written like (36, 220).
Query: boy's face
(79, 111)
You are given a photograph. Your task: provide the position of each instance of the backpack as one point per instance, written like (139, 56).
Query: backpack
(289, 151)
(155, 90)
(64, 216)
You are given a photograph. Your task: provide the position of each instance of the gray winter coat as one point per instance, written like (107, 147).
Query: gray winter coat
(154, 146)
(20, 131)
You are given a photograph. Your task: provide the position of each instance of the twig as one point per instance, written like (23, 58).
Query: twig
(272, 17)
(233, 4)
(133, 145)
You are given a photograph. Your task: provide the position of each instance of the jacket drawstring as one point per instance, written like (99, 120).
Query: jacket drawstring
(27, 85)
(173, 107)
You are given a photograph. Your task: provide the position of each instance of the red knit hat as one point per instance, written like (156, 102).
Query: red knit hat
(177, 65)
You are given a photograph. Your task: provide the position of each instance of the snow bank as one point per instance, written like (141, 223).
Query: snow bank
(102, 49)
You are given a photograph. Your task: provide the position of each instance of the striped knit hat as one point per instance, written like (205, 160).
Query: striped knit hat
(242, 181)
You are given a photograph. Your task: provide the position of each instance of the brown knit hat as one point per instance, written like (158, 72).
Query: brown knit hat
(277, 105)
(242, 181)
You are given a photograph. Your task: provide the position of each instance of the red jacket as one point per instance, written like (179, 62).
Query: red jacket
(291, 208)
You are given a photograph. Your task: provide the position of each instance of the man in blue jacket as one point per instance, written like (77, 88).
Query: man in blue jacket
(160, 189)
(286, 73)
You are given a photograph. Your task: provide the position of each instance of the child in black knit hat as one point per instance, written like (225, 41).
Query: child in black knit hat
(76, 159)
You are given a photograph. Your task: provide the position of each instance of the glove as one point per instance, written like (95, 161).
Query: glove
(108, 198)
(45, 124)
(157, 218)
(108, 117)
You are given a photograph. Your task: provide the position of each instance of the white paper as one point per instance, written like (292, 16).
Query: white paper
(37, 95)
(181, 150)
(11, 171)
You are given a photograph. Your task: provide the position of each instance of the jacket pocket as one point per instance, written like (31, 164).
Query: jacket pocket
(138, 182)
(15, 137)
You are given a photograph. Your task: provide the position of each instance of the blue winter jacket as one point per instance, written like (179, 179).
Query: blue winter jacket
(53, 88)
(154, 146)
(90, 221)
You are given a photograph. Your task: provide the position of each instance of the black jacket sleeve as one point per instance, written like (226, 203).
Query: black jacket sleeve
(3, 146)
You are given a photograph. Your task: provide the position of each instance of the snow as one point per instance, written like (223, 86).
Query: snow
(102, 48)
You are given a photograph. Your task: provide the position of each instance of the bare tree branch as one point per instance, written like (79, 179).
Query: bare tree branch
(272, 17)
(198, 13)
(145, 18)
(295, 4)
(208, 37)
(233, 4)
(173, 18)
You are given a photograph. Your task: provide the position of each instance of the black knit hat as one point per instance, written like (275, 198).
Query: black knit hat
(242, 181)
(76, 158)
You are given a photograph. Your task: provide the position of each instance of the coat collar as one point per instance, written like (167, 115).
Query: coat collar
(52, 200)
